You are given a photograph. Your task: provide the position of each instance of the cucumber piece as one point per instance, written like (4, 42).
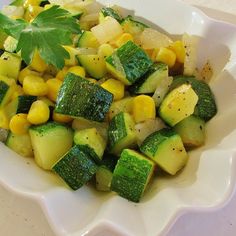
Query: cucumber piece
(123, 105)
(10, 44)
(20, 144)
(105, 172)
(128, 63)
(206, 107)
(20, 104)
(7, 88)
(108, 11)
(88, 40)
(92, 139)
(10, 65)
(76, 167)
(50, 142)
(93, 64)
(150, 81)
(79, 97)
(131, 175)
(132, 26)
(121, 133)
(166, 148)
(192, 131)
(178, 104)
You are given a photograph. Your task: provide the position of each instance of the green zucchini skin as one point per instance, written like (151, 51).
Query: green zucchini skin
(76, 168)
(108, 11)
(149, 82)
(80, 98)
(88, 40)
(130, 61)
(165, 148)
(206, 107)
(131, 175)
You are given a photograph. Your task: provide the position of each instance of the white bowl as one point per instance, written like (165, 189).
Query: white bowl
(205, 184)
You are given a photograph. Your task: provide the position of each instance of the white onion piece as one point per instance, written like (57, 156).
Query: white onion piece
(190, 62)
(148, 127)
(151, 39)
(13, 11)
(162, 90)
(107, 30)
(62, 2)
(87, 51)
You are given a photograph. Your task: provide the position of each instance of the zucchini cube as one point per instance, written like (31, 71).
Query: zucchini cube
(128, 63)
(131, 175)
(79, 97)
(76, 167)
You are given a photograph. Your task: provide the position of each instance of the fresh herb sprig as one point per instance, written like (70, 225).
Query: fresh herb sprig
(47, 33)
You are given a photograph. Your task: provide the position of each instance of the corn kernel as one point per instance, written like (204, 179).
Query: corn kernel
(39, 113)
(61, 118)
(154, 53)
(19, 124)
(115, 87)
(105, 50)
(24, 72)
(35, 85)
(167, 56)
(77, 70)
(143, 108)
(53, 88)
(178, 48)
(28, 3)
(37, 63)
(47, 101)
(31, 12)
(124, 38)
(4, 122)
(62, 73)
(18, 91)
(92, 80)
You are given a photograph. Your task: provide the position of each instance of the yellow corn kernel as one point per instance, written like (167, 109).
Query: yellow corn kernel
(4, 122)
(18, 91)
(31, 12)
(28, 3)
(47, 101)
(61, 118)
(39, 113)
(19, 124)
(124, 38)
(35, 85)
(105, 50)
(24, 72)
(53, 88)
(154, 54)
(178, 48)
(92, 80)
(167, 56)
(115, 87)
(37, 63)
(62, 73)
(77, 70)
(143, 108)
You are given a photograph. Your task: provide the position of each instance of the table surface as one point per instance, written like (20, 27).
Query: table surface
(23, 217)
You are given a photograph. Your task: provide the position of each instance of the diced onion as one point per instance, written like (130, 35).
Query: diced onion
(13, 11)
(107, 30)
(151, 39)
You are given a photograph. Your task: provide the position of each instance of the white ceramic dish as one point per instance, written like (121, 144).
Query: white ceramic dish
(205, 184)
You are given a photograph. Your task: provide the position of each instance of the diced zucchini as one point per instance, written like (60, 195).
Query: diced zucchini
(121, 133)
(7, 88)
(4, 121)
(132, 26)
(105, 172)
(192, 131)
(92, 139)
(10, 64)
(150, 81)
(131, 175)
(206, 107)
(10, 44)
(79, 97)
(50, 142)
(76, 167)
(94, 65)
(178, 104)
(88, 40)
(76, 12)
(123, 105)
(20, 104)
(108, 11)
(166, 148)
(128, 63)
(20, 144)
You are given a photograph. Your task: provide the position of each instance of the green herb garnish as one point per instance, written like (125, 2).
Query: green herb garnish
(47, 33)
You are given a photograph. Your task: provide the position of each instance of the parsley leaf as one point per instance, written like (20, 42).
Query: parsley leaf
(47, 33)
